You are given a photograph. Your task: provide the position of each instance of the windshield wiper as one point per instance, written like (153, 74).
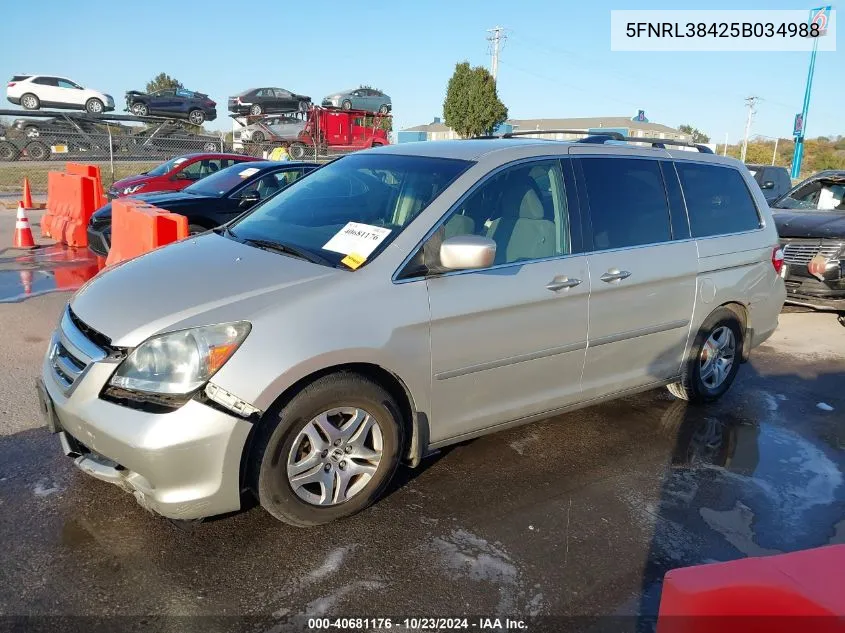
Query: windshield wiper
(286, 249)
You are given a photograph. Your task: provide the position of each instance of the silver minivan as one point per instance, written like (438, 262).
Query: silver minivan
(402, 299)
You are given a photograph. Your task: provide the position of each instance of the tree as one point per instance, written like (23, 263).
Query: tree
(163, 81)
(697, 135)
(472, 106)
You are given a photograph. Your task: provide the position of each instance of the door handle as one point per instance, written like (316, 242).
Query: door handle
(614, 274)
(561, 283)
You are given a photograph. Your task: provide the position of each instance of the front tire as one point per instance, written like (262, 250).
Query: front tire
(30, 102)
(713, 360)
(329, 452)
(140, 109)
(94, 106)
(197, 117)
(346, 105)
(38, 151)
(257, 137)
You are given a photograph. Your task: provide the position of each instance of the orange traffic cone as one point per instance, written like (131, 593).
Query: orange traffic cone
(23, 231)
(26, 281)
(27, 194)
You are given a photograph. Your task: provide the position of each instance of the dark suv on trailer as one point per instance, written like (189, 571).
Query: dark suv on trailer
(811, 223)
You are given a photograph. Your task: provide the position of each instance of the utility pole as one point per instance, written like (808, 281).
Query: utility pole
(725, 149)
(775, 153)
(497, 36)
(750, 102)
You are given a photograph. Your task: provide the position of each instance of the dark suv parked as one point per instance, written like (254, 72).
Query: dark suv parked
(256, 101)
(176, 103)
(774, 181)
(811, 223)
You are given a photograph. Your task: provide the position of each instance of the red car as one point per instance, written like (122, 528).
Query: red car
(175, 174)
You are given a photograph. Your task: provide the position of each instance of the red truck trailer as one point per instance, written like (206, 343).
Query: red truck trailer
(335, 130)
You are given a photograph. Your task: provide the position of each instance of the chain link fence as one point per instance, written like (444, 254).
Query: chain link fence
(33, 147)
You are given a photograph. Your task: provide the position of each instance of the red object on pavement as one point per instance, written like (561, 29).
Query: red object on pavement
(796, 593)
(27, 194)
(23, 231)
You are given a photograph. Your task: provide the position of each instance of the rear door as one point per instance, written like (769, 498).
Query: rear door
(48, 89)
(643, 268)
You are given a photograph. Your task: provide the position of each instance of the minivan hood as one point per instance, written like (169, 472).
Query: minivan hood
(821, 224)
(198, 281)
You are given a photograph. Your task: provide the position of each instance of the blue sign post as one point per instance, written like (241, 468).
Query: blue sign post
(818, 16)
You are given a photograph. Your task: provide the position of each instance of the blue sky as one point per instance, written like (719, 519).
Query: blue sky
(556, 61)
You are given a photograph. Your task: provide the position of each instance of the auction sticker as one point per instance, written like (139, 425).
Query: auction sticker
(249, 171)
(360, 239)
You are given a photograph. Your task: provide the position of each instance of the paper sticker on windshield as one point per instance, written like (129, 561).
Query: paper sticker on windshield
(249, 171)
(179, 161)
(361, 239)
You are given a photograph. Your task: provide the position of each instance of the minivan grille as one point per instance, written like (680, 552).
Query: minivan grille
(802, 252)
(74, 347)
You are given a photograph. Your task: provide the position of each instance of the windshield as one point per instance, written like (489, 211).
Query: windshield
(350, 210)
(222, 182)
(818, 195)
(165, 168)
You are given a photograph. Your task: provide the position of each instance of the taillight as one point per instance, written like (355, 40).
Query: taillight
(10, 84)
(777, 259)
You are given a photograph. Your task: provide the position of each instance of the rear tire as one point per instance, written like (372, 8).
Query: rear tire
(94, 106)
(196, 117)
(30, 102)
(706, 376)
(278, 449)
(383, 109)
(255, 109)
(37, 151)
(8, 152)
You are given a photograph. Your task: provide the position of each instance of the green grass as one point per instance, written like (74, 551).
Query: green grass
(12, 174)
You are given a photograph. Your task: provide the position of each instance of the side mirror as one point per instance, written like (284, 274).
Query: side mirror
(769, 184)
(249, 199)
(467, 252)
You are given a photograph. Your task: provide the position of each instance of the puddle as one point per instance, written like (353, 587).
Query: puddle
(46, 269)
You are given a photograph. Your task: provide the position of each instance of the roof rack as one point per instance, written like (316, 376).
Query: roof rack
(604, 137)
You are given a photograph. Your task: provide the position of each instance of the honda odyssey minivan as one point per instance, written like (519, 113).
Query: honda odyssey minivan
(402, 299)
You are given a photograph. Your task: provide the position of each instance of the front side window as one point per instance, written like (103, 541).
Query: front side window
(522, 209)
(64, 83)
(718, 200)
(627, 201)
(358, 203)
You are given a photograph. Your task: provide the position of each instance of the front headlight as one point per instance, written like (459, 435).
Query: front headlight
(133, 189)
(178, 363)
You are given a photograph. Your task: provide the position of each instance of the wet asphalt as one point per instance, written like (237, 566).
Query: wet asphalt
(569, 520)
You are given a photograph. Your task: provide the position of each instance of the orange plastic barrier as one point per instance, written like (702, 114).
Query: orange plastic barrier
(787, 593)
(71, 200)
(92, 171)
(138, 228)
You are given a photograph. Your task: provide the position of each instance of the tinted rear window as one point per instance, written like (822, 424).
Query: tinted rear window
(718, 200)
(20, 77)
(627, 202)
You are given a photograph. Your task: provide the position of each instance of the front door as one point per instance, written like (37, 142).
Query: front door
(509, 341)
(643, 269)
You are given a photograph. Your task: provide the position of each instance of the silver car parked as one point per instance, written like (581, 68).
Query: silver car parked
(363, 98)
(402, 299)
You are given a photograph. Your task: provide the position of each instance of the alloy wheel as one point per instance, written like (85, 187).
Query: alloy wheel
(717, 357)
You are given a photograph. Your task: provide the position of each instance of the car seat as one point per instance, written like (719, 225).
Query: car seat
(522, 230)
